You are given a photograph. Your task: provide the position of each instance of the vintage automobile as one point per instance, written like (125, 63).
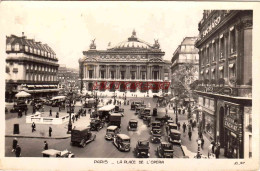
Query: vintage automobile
(105, 111)
(174, 136)
(169, 121)
(147, 113)
(165, 150)
(162, 119)
(155, 125)
(154, 111)
(57, 153)
(118, 109)
(20, 105)
(134, 104)
(132, 125)
(115, 119)
(96, 124)
(156, 138)
(81, 137)
(142, 149)
(137, 109)
(122, 142)
(111, 132)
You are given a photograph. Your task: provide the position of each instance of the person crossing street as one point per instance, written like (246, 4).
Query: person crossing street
(184, 127)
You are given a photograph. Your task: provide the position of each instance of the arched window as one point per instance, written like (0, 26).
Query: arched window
(26, 48)
(16, 47)
(8, 47)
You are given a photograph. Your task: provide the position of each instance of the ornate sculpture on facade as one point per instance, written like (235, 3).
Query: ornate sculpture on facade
(92, 45)
(156, 44)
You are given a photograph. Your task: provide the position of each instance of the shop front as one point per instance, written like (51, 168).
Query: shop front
(233, 142)
(209, 124)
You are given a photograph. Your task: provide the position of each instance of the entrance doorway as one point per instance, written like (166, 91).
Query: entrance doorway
(221, 127)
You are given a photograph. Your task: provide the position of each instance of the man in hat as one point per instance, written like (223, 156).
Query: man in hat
(15, 142)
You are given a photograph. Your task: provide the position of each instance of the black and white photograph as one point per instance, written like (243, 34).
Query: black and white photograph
(128, 84)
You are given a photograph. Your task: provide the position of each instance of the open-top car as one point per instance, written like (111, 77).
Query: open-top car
(174, 136)
(111, 132)
(57, 153)
(96, 124)
(122, 142)
(132, 125)
(165, 150)
(142, 149)
(156, 138)
(81, 137)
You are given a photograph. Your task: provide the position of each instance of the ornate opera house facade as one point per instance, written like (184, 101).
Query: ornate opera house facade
(131, 67)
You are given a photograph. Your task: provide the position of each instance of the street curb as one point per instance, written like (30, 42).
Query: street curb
(24, 136)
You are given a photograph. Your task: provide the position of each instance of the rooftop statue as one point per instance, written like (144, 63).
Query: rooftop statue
(92, 45)
(156, 44)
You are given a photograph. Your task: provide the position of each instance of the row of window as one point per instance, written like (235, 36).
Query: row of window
(218, 47)
(40, 77)
(40, 68)
(17, 47)
(212, 74)
(124, 66)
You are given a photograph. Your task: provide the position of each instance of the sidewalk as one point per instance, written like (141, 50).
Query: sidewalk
(192, 146)
(42, 130)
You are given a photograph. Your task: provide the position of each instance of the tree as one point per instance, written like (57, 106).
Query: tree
(185, 80)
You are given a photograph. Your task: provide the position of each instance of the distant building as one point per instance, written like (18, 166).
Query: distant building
(133, 66)
(185, 54)
(225, 91)
(30, 66)
(67, 77)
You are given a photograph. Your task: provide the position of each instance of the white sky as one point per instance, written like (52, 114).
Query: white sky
(69, 27)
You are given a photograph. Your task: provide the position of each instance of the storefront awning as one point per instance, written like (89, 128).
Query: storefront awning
(231, 65)
(45, 85)
(221, 68)
(38, 86)
(30, 86)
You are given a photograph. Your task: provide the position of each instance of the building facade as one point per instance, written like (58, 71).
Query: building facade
(225, 85)
(186, 55)
(67, 77)
(132, 66)
(30, 66)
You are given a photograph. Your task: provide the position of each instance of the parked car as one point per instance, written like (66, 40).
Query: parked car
(142, 149)
(112, 131)
(134, 104)
(20, 105)
(174, 136)
(81, 137)
(156, 138)
(122, 142)
(156, 127)
(165, 150)
(115, 119)
(57, 153)
(96, 124)
(132, 125)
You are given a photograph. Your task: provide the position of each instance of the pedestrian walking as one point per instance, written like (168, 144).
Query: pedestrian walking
(73, 118)
(34, 110)
(179, 111)
(15, 142)
(33, 127)
(166, 111)
(167, 129)
(18, 151)
(57, 115)
(59, 108)
(178, 125)
(50, 112)
(50, 131)
(213, 146)
(184, 127)
(217, 151)
(202, 142)
(45, 145)
(190, 134)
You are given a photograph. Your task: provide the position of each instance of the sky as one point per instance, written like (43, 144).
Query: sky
(69, 27)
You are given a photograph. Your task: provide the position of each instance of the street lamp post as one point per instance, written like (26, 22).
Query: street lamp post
(70, 110)
(198, 156)
(176, 102)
